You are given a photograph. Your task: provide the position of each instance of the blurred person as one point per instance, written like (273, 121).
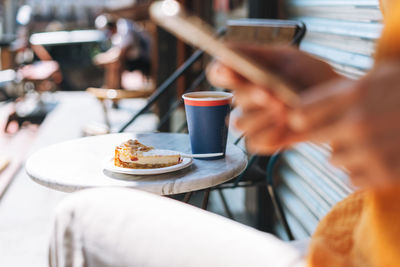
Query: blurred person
(357, 117)
(130, 43)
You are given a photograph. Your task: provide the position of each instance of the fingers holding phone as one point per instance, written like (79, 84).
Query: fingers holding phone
(264, 119)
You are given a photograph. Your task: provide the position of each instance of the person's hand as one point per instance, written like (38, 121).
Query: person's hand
(263, 117)
(361, 120)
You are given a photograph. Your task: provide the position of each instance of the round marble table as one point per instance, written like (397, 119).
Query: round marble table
(78, 164)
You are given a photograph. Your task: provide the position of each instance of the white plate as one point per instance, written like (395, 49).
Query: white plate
(109, 166)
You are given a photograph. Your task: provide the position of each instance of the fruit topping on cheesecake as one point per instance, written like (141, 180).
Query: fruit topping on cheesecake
(134, 155)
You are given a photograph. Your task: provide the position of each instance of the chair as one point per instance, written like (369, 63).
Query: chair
(42, 74)
(304, 186)
(6, 53)
(104, 94)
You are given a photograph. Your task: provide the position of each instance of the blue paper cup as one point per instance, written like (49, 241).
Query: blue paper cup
(207, 114)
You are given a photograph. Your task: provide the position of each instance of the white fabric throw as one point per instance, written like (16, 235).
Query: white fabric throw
(118, 227)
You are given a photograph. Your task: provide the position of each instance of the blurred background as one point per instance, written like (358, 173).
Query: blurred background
(75, 53)
(73, 68)
(54, 45)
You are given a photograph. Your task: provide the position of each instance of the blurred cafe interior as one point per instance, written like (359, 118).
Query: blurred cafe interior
(73, 69)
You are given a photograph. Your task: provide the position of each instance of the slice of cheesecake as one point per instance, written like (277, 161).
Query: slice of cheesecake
(134, 155)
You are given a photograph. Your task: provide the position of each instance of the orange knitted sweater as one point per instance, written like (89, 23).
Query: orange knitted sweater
(364, 229)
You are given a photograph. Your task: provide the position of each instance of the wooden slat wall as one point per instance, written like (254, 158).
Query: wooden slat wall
(343, 33)
(310, 184)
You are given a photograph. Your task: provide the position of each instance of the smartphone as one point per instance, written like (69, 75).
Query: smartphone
(170, 15)
(264, 32)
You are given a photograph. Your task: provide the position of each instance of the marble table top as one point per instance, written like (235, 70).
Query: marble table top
(78, 164)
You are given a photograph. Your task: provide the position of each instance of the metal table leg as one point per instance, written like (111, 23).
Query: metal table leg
(225, 204)
(187, 197)
(205, 199)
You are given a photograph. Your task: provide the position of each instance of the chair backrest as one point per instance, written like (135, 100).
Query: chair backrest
(307, 186)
